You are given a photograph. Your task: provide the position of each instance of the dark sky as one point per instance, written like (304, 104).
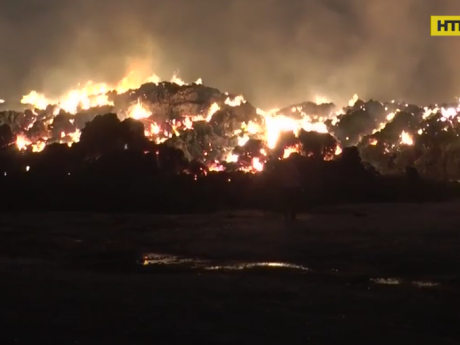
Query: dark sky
(273, 51)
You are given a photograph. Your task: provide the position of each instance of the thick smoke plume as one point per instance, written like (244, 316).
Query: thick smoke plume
(274, 52)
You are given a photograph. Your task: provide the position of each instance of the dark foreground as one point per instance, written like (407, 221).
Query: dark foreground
(364, 274)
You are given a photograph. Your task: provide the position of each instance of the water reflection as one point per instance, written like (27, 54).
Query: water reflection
(386, 281)
(166, 259)
(195, 263)
(170, 260)
(396, 281)
(247, 265)
(425, 284)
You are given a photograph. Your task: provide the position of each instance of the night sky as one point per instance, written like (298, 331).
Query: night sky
(275, 52)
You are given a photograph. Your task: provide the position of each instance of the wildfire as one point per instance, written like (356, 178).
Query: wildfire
(92, 94)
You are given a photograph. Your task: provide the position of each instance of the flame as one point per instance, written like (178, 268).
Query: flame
(39, 146)
(212, 110)
(390, 116)
(321, 100)
(257, 164)
(22, 142)
(406, 139)
(289, 150)
(90, 94)
(243, 140)
(353, 100)
(277, 124)
(338, 150)
(138, 111)
(237, 101)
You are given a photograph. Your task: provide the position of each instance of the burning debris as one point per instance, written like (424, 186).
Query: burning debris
(220, 131)
(192, 127)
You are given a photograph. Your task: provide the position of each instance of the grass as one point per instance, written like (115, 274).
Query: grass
(71, 278)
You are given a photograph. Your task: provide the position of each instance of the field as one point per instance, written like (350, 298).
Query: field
(360, 274)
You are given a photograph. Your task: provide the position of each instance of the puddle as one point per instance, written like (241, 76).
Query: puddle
(170, 260)
(166, 259)
(155, 259)
(247, 265)
(396, 281)
(386, 281)
(425, 284)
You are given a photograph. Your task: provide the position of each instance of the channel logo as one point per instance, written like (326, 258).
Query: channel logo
(445, 25)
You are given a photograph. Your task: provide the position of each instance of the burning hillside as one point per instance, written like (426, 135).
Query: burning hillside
(212, 130)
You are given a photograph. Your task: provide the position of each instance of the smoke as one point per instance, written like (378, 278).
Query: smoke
(275, 52)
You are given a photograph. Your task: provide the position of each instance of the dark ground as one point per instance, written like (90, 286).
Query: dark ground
(378, 274)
